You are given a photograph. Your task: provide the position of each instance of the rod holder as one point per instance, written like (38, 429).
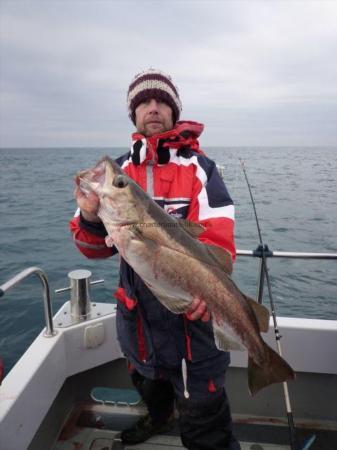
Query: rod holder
(80, 300)
(80, 294)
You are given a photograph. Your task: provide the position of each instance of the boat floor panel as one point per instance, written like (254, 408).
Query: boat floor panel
(94, 439)
(97, 427)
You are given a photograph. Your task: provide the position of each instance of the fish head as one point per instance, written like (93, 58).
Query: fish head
(115, 190)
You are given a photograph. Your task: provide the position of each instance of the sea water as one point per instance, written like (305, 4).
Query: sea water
(295, 195)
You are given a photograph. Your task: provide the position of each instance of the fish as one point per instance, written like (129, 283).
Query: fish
(177, 267)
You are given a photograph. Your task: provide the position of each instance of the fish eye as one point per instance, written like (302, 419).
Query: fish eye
(120, 181)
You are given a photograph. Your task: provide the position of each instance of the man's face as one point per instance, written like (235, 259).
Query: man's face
(153, 117)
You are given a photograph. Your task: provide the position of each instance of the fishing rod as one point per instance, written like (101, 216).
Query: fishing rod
(264, 250)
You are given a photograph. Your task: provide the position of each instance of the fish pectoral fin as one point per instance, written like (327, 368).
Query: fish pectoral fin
(224, 340)
(262, 314)
(173, 304)
(192, 228)
(222, 256)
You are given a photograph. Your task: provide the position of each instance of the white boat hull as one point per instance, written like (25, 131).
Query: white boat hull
(89, 353)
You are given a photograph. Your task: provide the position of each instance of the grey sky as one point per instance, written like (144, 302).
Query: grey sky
(254, 72)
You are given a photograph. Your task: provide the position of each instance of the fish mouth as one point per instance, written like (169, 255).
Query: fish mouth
(84, 185)
(90, 179)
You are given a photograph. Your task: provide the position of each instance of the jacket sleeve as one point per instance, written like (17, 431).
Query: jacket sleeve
(89, 237)
(212, 206)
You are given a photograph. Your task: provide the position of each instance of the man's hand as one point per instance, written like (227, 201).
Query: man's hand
(198, 310)
(88, 204)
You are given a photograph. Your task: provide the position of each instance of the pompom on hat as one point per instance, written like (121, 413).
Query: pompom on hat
(153, 84)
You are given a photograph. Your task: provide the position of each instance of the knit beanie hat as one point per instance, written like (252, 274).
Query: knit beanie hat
(153, 84)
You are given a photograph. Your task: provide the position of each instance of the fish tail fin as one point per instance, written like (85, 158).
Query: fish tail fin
(274, 370)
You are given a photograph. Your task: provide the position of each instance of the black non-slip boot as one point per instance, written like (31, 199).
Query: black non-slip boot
(144, 429)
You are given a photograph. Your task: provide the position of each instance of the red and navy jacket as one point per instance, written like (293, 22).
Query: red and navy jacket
(173, 170)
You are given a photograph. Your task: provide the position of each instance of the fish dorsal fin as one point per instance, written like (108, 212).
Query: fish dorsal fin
(262, 314)
(192, 228)
(222, 256)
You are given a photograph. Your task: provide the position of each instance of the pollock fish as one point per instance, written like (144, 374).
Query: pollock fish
(177, 267)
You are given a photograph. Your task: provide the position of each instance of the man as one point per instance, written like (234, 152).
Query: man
(171, 358)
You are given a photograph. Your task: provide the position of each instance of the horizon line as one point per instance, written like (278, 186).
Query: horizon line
(127, 147)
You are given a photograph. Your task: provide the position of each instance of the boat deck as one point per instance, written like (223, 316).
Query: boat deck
(107, 440)
(60, 379)
(97, 427)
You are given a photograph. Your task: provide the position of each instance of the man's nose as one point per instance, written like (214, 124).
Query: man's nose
(153, 106)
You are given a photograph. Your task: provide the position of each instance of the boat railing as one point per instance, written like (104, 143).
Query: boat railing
(49, 332)
(81, 299)
(263, 253)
